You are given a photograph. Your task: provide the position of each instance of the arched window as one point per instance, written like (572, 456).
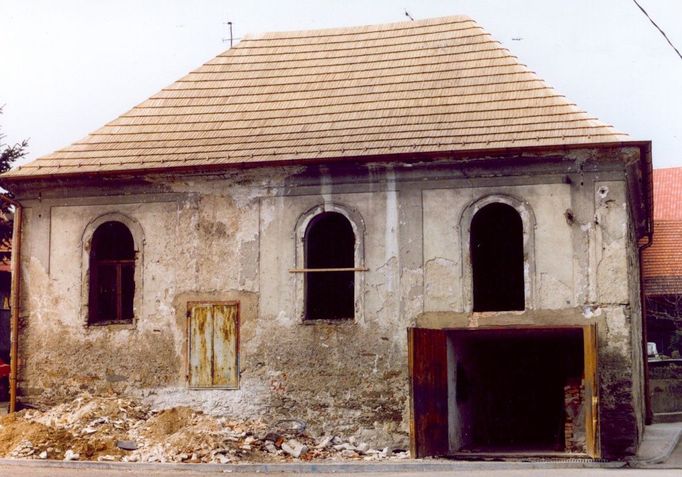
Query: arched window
(112, 274)
(329, 248)
(497, 259)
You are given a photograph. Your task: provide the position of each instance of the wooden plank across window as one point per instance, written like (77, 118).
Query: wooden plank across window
(115, 262)
(311, 270)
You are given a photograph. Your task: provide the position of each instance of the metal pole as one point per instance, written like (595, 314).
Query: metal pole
(14, 299)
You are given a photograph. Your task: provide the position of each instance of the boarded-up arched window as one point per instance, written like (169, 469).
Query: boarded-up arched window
(112, 274)
(497, 259)
(329, 261)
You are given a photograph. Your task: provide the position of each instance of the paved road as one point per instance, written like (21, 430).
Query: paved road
(675, 459)
(42, 469)
(672, 468)
(37, 471)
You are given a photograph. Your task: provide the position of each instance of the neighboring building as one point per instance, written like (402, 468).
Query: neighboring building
(393, 231)
(5, 267)
(662, 265)
(5, 288)
(5, 285)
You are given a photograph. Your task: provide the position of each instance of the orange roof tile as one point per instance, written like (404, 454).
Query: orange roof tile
(662, 262)
(668, 194)
(435, 85)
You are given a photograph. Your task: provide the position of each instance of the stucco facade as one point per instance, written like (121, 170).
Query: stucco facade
(236, 236)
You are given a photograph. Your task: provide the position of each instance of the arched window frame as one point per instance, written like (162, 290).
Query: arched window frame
(138, 242)
(358, 226)
(528, 223)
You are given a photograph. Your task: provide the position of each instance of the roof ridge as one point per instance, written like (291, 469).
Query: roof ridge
(359, 29)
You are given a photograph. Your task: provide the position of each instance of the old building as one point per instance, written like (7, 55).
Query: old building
(662, 276)
(395, 231)
(662, 264)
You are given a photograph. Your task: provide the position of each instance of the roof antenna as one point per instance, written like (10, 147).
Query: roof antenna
(231, 38)
(407, 14)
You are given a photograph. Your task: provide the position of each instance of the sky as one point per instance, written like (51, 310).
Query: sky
(67, 67)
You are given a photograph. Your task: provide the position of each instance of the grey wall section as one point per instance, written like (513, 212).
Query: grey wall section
(236, 236)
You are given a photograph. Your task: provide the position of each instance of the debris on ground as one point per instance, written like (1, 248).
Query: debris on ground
(113, 428)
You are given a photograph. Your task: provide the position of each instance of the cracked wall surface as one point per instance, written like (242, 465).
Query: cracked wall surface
(233, 236)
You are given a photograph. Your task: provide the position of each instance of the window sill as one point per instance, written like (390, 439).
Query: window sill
(124, 325)
(497, 312)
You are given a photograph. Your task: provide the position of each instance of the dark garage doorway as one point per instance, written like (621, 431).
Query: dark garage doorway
(509, 388)
(500, 391)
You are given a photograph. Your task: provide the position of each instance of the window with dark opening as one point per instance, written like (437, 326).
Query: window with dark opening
(112, 274)
(329, 261)
(497, 259)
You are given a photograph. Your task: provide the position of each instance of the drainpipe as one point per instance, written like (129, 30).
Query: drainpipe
(14, 300)
(647, 179)
(649, 412)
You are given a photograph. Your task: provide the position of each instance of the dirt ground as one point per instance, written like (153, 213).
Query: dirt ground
(113, 428)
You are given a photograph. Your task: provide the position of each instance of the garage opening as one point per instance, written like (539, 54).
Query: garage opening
(510, 388)
(501, 391)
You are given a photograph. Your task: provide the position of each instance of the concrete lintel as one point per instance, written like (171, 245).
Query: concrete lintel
(541, 318)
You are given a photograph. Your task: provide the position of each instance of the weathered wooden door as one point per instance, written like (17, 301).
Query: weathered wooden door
(591, 391)
(213, 330)
(427, 352)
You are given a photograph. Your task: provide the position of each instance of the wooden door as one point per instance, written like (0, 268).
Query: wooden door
(591, 391)
(213, 330)
(428, 392)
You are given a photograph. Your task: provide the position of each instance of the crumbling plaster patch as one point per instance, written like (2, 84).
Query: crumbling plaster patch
(279, 242)
(619, 411)
(441, 283)
(64, 363)
(327, 375)
(611, 220)
(547, 243)
(190, 224)
(617, 329)
(44, 300)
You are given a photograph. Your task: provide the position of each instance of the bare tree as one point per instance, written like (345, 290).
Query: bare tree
(664, 322)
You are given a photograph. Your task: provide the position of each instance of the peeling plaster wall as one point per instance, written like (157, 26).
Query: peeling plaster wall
(620, 333)
(350, 358)
(233, 237)
(548, 248)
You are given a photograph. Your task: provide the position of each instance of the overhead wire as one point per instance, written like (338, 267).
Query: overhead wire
(659, 29)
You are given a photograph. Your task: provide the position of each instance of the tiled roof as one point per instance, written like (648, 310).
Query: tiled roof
(668, 194)
(656, 286)
(429, 86)
(662, 262)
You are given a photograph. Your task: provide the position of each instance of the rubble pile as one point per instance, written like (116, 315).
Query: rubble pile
(112, 428)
